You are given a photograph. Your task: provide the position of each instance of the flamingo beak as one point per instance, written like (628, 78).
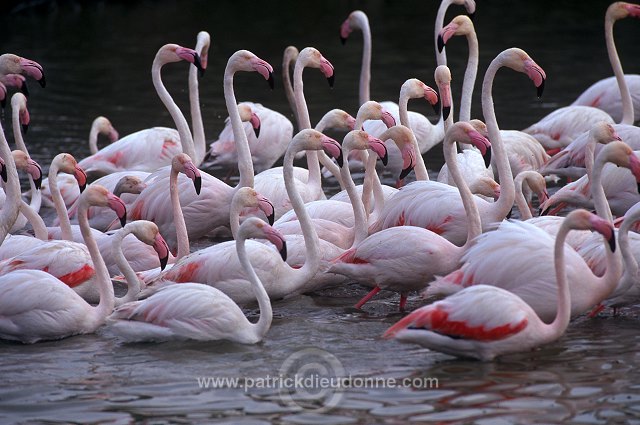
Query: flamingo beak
(446, 110)
(406, 172)
(441, 43)
(198, 65)
(161, 247)
(540, 89)
(36, 173)
(24, 88)
(436, 107)
(487, 157)
(81, 178)
(271, 81)
(3, 172)
(331, 80)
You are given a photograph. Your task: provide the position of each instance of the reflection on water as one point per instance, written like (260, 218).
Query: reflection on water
(97, 58)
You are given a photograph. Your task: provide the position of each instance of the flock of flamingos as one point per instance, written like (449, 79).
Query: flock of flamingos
(452, 237)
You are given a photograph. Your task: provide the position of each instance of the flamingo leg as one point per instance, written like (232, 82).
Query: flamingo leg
(367, 297)
(403, 302)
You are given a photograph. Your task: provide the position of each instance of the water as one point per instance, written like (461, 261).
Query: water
(97, 57)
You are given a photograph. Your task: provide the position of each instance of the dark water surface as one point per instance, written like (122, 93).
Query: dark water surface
(97, 57)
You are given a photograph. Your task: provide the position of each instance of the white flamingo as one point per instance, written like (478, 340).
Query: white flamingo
(485, 321)
(14, 64)
(36, 306)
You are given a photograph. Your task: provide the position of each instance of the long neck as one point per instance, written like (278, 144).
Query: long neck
(245, 163)
(474, 225)
(93, 139)
(589, 154)
(469, 77)
(289, 57)
(103, 280)
(186, 140)
(627, 102)
(360, 229)
(37, 223)
(324, 158)
(597, 191)
(36, 195)
(371, 185)
(234, 218)
(521, 202)
(199, 142)
(311, 241)
(11, 207)
(420, 169)
(365, 70)
(507, 187)
(629, 260)
(58, 203)
(305, 122)
(182, 235)
(263, 324)
(441, 57)
(563, 313)
(133, 283)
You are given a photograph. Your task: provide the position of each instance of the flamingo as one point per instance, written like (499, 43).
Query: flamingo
(210, 210)
(14, 64)
(536, 183)
(218, 265)
(484, 321)
(197, 311)
(619, 95)
(420, 203)
(36, 306)
(619, 187)
(15, 80)
(560, 127)
(469, 5)
(422, 254)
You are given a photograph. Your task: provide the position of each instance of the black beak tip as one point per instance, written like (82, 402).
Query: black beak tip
(544, 212)
(163, 262)
(487, 157)
(82, 187)
(331, 80)
(405, 172)
(612, 242)
(283, 251)
(540, 89)
(509, 214)
(38, 183)
(340, 160)
(256, 131)
(343, 40)
(24, 88)
(440, 43)
(197, 183)
(271, 82)
(385, 158)
(123, 220)
(25, 128)
(446, 110)
(271, 218)
(198, 65)
(436, 107)
(3, 173)
(42, 81)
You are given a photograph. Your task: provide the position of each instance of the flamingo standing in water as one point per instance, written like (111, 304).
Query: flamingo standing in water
(36, 306)
(209, 210)
(197, 311)
(420, 202)
(609, 94)
(484, 322)
(421, 254)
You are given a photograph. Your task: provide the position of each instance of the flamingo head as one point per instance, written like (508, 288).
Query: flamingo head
(582, 219)
(519, 60)
(182, 163)
(66, 163)
(103, 126)
(311, 57)
(23, 162)
(603, 132)
(202, 47)
(129, 184)
(357, 19)
(460, 25)
(23, 113)
(14, 64)
(267, 207)
(16, 80)
(263, 68)
(333, 149)
(248, 115)
(485, 186)
(442, 76)
(253, 227)
(361, 140)
(189, 55)
(621, 10)
(99, 196)
(162, 249)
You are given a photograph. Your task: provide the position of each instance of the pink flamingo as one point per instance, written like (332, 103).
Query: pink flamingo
(218, 264)
(484, 322)
(422, 254)
(14, 64)
(201, 312)
(209, 210)
(15, 80)
(420, 203)
(37, 306)
(618, 95)
(469, 5)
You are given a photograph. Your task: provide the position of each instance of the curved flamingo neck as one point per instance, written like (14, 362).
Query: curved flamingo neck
(199, 141)
(474, 224)
(365, 69)
(521, 202)
(290, 57)
(627, 102)
(245, 163)
(93, 139)
(36, 194)
(630, 262)
(305, 122)
(507, 187)
(263, 324)
(133, 283)
(58, 202)
(470, 74)
(597, 191)
(37, 223)
(182, 235)
(11, 207)
(360, 228)
(103, 280)
(441, 57)
(186, 140)
(311, 241)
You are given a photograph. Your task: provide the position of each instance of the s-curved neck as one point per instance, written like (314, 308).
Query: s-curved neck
(186, 139)
(305, 122)
(521, 202)
(36, 194)
(263, 324)
(597, 191)
(103, 280)
(360, 228)
(182, 235)
(365, 69)
(37, 223)
(245, 163)
(469, 77)
(133, 283)
(58, 203)
(11, 207)
(627, 102)
(441, 57)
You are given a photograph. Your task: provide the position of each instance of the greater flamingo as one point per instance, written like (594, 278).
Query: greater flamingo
(14, 64)
(36, 306)
(420, 202)
(619, 95)
(484, 322)
(197, 311)
(420, 254)
(209, 210)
